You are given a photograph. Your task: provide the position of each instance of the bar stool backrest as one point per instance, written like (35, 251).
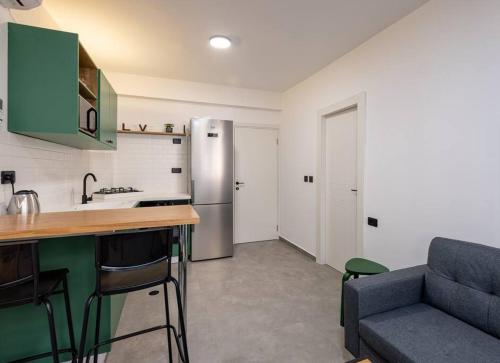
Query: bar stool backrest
(133, 251)
(19, 265)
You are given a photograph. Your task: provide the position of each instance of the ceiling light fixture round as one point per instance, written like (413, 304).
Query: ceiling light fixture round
(220, 42)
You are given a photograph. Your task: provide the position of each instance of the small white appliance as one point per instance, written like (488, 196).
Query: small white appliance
(20, 4)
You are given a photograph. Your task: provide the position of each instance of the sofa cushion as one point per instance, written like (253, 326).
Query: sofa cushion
(422, 333)
(463, 279)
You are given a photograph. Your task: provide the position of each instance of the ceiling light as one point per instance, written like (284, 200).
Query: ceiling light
(220, 42)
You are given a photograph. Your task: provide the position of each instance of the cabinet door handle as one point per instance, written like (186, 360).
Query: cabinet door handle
(92, 129)
(109, 141)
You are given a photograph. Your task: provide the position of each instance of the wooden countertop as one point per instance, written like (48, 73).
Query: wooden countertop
(60, 224)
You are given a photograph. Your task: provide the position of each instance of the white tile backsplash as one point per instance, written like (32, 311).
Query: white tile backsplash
(146, 161)
(54, 171)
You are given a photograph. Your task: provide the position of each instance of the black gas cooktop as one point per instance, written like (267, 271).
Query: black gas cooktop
(119, 190)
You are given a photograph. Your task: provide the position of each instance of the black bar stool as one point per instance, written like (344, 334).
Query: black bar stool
(21, 282)
(132, 261)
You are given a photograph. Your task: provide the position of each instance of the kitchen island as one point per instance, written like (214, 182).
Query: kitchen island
(67, 241)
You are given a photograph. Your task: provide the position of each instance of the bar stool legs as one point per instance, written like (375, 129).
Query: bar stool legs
(167, 313)
(70, 320)
(52, 329)
(181, 321)
(97, 327)
(53, 335)
(83, 338)
(183, 350)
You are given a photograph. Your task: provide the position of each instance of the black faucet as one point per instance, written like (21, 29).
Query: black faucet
(86, 199)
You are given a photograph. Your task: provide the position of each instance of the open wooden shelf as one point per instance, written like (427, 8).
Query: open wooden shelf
(87, 76)
(85, 91)
(151, 133)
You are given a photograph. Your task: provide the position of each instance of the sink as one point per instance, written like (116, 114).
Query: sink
(105, 205)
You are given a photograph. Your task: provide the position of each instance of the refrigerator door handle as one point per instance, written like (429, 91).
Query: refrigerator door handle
(192, 201)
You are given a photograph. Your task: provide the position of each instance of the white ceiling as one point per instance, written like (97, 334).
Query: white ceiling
(277, 43)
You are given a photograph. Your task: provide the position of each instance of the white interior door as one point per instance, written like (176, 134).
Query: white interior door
(256, 197)
(341, 176)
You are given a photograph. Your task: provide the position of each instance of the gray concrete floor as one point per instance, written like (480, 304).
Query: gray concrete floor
(269, 303)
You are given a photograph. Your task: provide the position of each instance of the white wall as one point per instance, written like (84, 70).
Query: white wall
(146, 161)
(433, 131)
(178, 90)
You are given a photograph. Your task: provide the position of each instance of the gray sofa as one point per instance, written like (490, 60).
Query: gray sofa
(445, 311)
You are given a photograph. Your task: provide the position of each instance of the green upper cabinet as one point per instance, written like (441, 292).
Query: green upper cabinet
(107, 111)
(48, 72)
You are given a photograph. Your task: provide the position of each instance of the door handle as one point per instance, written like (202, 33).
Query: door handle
(239, 183)
(354, 190)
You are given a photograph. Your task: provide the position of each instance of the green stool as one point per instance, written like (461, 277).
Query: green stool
(355, 267)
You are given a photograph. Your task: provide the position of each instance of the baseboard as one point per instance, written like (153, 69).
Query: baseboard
(298, 248)
(259, 241)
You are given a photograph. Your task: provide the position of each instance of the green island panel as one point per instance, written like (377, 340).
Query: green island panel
(25, 328)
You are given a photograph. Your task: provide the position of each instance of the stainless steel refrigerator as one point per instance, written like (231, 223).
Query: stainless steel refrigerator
(211, 160)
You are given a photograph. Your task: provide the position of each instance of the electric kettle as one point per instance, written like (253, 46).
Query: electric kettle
(24, 202)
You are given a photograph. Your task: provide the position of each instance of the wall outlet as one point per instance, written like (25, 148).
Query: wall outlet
(8, 177)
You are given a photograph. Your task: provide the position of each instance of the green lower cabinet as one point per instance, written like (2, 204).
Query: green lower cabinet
(24, 330)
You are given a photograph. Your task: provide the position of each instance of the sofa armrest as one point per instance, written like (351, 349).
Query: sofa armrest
(379, 293)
